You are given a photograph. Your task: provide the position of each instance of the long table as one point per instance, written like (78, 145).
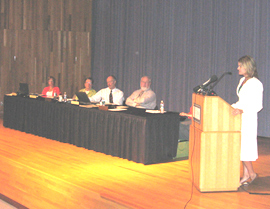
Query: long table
(134, 135)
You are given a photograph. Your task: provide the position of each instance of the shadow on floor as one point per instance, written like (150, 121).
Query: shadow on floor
(260, 186)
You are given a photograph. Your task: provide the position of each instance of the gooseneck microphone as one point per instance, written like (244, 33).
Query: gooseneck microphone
(211, 80)
(202, 88)
(210, 91)
(226, 73)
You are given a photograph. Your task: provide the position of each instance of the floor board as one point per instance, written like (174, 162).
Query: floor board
(42, 173)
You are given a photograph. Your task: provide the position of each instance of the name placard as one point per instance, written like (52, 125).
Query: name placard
(197, 113)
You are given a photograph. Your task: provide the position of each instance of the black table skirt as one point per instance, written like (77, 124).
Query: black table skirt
(141, 137)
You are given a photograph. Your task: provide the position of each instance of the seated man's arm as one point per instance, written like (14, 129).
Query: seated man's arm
(146, 98)
(97, 97)
(130, 99)
(118, 98)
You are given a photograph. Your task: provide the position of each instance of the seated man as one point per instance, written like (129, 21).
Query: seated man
(144, 97)
(111, 94)
(88, 88)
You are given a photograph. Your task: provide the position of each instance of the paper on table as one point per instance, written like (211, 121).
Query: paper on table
(33, 96)
(122, 107)
(153, 111)
(88, 106)
(12, 94)
(117, 109)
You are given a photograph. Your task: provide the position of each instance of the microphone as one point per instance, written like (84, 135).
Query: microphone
(210, 80)
(198, 89)
(229, 73)
(211, 92)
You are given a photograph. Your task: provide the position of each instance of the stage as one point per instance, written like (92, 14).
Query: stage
(37, 172)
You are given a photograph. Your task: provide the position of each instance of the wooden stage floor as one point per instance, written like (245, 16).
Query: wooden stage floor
(42, 173)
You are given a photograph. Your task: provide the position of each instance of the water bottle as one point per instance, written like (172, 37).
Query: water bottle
(161, 106)
(60, 98)
(65, 96)
(54, 95)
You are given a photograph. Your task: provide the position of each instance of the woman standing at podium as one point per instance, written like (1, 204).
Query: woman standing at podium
(250, 93)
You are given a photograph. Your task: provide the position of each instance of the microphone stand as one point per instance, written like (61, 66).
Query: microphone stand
(210, 92)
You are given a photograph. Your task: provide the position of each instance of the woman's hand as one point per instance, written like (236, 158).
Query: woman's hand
(185, 114)
(237, 111)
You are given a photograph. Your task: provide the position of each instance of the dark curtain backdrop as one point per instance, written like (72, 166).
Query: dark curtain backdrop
(180, 44)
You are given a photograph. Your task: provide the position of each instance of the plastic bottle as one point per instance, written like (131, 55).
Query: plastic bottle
(60, 99)
(65, 96)
(161, 106)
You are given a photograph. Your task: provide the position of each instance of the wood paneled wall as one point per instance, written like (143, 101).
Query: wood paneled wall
(58, 15)
(39, 38)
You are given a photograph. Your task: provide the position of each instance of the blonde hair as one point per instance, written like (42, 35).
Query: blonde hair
(250, 65)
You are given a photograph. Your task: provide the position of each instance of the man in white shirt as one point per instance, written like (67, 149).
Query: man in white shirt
(111, 94)
(144, 97)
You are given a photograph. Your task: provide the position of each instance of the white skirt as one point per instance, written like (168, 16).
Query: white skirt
(249, 147)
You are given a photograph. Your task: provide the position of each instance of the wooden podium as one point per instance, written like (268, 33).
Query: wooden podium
(214, 144)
